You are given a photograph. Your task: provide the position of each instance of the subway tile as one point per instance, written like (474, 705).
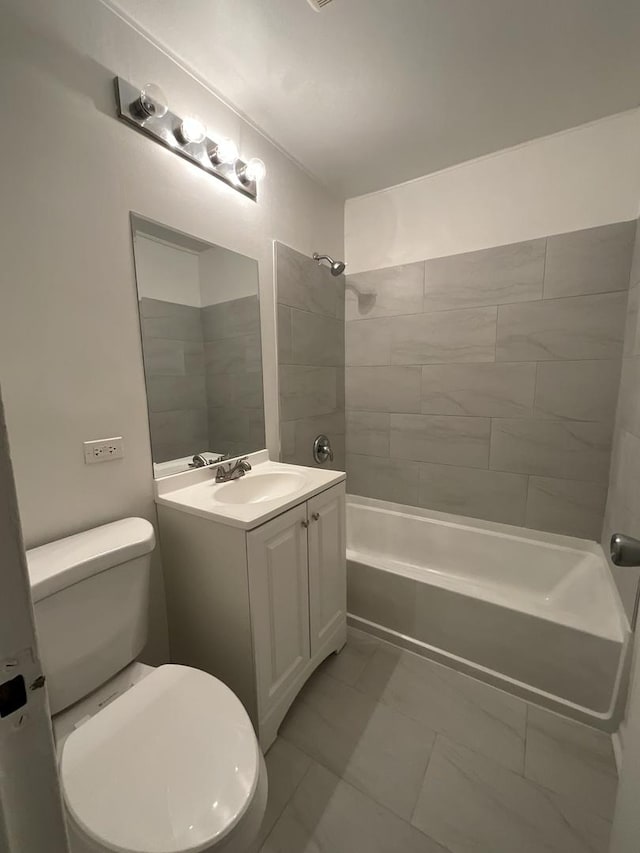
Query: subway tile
(566, 506)
(571, 759)
(305, 284)
(316, 339)
(596, 260)
(440, 438)
(385, 479)
(368, 342)
(582, 327)
(492, 495)
(385, 292)
(571, 450)
(168, 393)
(162, 319)
(232, 318)
(368, 433)
(581, 390)
(448, 336)
(284, 334)
(470, 804)
(488, 277)
(307, 391)
(383, 389)
(489, 390)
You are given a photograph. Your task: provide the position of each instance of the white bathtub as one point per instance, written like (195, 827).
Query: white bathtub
(535, 612)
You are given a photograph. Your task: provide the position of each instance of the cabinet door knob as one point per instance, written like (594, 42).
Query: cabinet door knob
(304, 523)
(316, 516)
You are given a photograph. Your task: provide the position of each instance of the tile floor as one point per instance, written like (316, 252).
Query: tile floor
(385, 752)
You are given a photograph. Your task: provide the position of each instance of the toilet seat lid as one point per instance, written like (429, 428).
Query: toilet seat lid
(169, 766)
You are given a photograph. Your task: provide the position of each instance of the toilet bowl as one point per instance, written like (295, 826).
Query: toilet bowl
(151, 760)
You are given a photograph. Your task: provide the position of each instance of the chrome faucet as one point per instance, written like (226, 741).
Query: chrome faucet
(238, 469)
(200, 461)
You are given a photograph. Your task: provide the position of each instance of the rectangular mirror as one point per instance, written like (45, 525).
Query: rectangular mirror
(200, 326)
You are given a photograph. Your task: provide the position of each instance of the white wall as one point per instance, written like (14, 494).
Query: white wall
(167, 272)
(70, 353)
(226, 275)
(578, 179)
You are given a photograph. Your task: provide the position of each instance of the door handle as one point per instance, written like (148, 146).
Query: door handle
(304, 523)
(316, 516)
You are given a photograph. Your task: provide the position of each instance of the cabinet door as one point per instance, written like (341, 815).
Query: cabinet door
(279, 599)
(327, 564)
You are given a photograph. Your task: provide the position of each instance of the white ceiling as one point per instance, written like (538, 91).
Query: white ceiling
(370, 93)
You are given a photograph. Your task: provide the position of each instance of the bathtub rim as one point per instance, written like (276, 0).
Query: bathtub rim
(539, 537)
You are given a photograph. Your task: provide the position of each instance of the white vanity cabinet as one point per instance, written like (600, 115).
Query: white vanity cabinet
(258, 608)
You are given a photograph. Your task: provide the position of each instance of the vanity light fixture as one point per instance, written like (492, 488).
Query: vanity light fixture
(147, 110)
(192, 130)
(251, 172)
(224, 151)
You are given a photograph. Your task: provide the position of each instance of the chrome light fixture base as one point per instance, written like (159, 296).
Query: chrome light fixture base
(165, 129)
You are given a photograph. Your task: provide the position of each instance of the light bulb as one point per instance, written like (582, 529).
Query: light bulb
(152, 102)
(255, 170)
(192, 130)
(225, 151)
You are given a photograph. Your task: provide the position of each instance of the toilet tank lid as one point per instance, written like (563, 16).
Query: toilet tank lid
(60, 564)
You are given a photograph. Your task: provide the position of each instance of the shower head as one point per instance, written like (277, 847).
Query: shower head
(337, 267)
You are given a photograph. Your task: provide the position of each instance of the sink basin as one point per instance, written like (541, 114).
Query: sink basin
(255, 488)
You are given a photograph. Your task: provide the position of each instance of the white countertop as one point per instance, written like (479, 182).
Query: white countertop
(195, 491)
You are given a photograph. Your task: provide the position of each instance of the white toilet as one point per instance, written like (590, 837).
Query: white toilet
(152, 760)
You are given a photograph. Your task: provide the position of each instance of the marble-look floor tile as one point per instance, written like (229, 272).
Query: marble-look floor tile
(468, 711)
(286, 768)
(571, 759)
(470, 804)
(327, 815)
(347, 665)
(368, 744)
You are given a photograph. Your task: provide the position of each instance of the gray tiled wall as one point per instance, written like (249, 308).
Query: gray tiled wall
(310, 357)
(233, 367)
(203, 370)
(485, 384)
(174, 370)
(623, 503)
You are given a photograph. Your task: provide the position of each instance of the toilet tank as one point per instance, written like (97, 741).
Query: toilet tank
(91, 595)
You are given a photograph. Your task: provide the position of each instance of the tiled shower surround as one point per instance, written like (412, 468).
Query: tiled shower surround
(485, 384)
(310, 357)
(203, 369)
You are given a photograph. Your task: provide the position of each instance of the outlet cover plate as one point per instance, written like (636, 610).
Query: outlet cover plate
(103, 450)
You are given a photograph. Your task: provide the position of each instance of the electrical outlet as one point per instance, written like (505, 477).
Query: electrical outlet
(103, 450)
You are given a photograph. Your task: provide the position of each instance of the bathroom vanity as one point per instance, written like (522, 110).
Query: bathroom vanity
(255, 575)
